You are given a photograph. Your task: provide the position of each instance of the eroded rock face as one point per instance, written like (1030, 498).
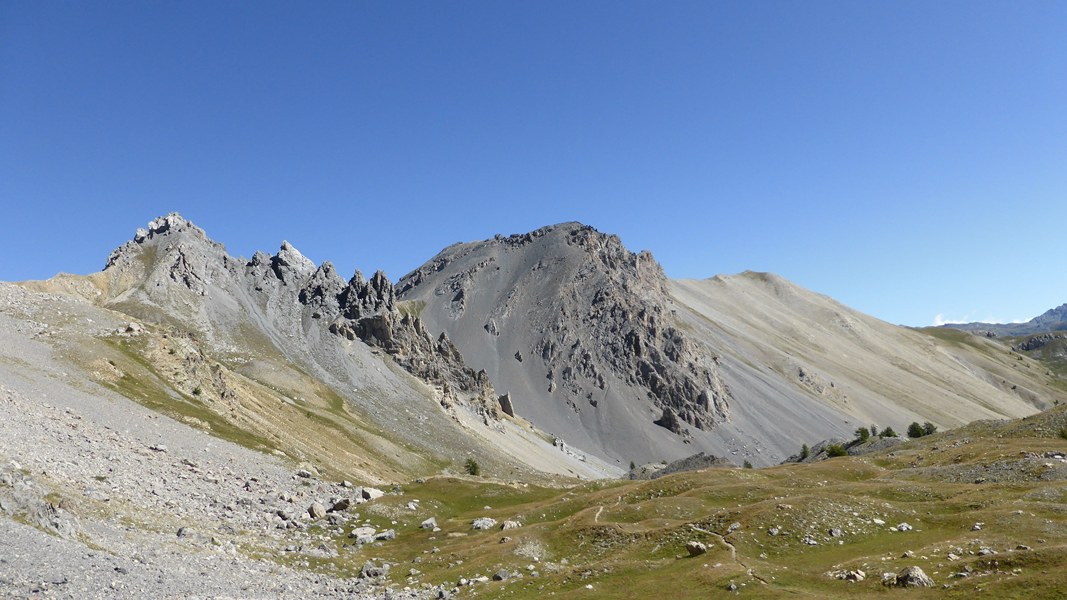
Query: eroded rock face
(597, 314)
(368, 311)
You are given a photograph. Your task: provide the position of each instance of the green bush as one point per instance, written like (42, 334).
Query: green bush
(915, 430)
(862, 434)
(929, 428)
(806, 452)
(836, 450)
(888, 433)
(748, 465)
(472, 467)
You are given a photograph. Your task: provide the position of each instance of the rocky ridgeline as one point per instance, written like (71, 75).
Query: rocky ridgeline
(368, 310)
(297, 296)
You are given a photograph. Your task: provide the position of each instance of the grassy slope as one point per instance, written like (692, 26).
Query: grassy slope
(627, 539)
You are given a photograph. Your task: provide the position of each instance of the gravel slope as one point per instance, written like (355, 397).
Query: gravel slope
(102, 498)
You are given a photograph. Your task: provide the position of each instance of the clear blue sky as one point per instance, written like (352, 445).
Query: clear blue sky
(907, 158)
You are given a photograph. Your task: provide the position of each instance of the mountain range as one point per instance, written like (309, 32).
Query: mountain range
(184, 410)
(562, 329)
(1054, 319)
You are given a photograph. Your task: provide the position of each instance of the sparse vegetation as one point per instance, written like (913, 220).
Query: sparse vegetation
(805, 452)
(915, 430)
(834, 450)
(862, 434)
(472, 467)
(748, 464)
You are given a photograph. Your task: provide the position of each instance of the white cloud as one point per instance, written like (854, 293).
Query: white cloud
(940, 320)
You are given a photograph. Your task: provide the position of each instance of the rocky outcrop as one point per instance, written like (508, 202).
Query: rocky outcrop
(600, 315)
(695, 462)
(1037, 342)
(368, 311)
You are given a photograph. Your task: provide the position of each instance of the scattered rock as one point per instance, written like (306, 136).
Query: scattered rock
(913, 577)
(835, 532)
(362, 532)
(373, 571)
(904, 527)
(317, 510)
(430, 523)
(341, 505)
(506, 406)
(696, 548)
(977, 527)
(482, 523)
(511, 525)
(501, 575)
(370, 493)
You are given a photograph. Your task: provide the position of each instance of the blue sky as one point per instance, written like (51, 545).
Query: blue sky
(906, 158)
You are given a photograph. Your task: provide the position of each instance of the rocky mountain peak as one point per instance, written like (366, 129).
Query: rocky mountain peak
(580, 313)
(171, 223)
(363, 298)
(290, 265)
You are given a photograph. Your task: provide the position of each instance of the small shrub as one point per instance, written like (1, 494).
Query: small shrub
(198, 390)
(874, 430)
(472, 467)
(915, 430)
(929, 428)
(748, 465)
(834, 450)
(862, 434)
(1063, 433)
(888, 433)
(804, 452)
(632, 465)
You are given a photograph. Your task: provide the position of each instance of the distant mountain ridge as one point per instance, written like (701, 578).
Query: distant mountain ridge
(1051, 320)
(558, 349)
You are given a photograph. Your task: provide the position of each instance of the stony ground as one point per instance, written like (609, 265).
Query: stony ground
(101, 497)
